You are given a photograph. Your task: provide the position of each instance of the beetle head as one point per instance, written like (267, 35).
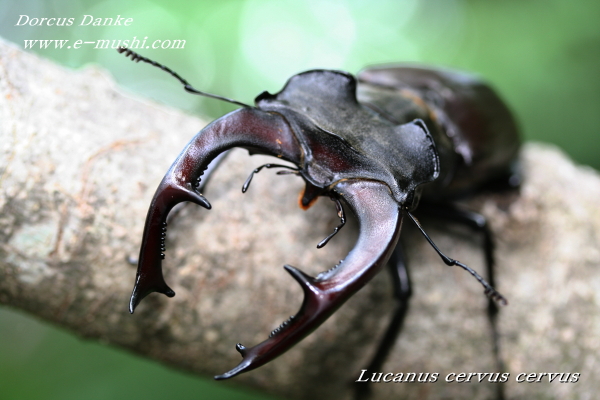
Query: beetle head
(342, 139)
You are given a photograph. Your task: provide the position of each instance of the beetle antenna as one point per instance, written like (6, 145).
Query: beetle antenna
(341, 215)
(189, 88)
(257, 170)
(489, 290)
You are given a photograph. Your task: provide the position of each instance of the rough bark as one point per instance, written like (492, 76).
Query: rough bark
(79, 161)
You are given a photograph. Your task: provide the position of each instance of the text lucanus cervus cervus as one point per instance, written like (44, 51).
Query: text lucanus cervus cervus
(380, 143)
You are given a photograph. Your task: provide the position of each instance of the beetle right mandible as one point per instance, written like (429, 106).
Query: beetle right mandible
(377, 143)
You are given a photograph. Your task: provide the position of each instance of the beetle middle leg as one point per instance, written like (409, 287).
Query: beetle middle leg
(402, 292)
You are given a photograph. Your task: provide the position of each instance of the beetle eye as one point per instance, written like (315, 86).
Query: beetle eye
(413, 198)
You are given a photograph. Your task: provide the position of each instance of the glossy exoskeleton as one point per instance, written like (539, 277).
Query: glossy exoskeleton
(377, 143)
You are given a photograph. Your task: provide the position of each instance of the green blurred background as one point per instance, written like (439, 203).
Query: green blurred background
(542, 55)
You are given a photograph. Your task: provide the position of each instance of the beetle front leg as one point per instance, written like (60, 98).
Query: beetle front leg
(258, 131)
(402, 292)
(379, 227)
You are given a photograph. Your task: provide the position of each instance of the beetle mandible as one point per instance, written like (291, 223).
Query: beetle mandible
(378, 143)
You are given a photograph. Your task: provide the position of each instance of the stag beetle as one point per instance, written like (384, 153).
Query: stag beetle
(378, 143)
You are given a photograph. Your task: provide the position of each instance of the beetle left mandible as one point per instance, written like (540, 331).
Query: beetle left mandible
(377, 144)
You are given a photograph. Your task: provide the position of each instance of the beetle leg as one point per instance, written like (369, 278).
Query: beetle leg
(402, 292)
(342, 216)
(479, 223)
(379, 227)
(258, 131)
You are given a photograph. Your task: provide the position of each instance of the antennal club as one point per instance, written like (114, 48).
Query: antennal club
(268, 166)
(189, 88)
